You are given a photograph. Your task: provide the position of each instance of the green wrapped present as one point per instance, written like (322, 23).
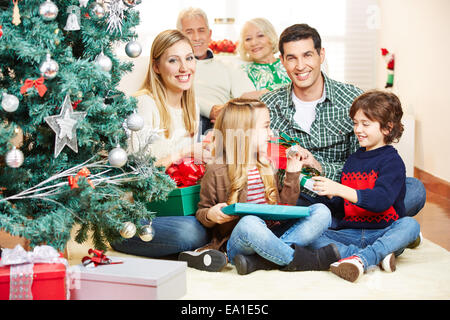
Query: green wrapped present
(180, 202)
(305, 178)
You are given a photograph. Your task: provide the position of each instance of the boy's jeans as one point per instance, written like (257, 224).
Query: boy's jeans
(371, 245)
(251, 235)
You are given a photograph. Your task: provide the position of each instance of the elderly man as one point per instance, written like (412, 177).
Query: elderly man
(215, 82)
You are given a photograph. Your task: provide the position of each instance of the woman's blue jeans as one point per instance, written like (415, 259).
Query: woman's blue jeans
(251, 235)
(173, 234)
(371, 245)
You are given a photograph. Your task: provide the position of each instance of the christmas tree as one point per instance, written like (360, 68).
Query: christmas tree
(65, 125)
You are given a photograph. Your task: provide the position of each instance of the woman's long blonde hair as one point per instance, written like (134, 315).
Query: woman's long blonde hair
(232, 140)
(154, 85)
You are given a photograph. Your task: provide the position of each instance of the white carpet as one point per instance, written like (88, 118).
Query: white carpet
(422, 273)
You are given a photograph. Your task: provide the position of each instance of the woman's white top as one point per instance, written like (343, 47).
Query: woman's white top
(160, 146)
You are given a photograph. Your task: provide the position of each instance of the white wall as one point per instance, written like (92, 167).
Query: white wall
(418, 32)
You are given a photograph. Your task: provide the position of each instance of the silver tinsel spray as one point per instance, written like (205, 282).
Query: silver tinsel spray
(115, 16)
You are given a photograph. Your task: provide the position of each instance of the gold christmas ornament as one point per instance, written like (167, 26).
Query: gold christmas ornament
(147, 233)
(128, 230)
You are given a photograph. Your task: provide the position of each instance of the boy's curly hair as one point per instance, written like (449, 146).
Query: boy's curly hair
(383, 107)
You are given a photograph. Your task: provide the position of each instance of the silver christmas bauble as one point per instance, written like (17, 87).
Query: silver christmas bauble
(104, 62)
(10, 102)
(48, 10)
(133, 49)
(135, 122)
(117, 157)
(128, 230)
(131, 3)
(97, 11)
(49, 68)
(14, 158)
(147, 233)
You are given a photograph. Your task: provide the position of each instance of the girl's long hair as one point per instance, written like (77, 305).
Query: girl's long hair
(232, 139)
(153, 85)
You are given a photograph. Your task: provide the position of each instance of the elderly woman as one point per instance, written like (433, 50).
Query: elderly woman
(258, 45)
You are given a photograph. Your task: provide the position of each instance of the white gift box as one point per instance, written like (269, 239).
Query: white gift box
(134, 279)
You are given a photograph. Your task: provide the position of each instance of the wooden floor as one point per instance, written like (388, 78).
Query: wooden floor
(434, 219)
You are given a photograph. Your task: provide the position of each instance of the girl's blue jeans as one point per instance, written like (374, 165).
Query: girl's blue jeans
(371, 245)
(251, 235)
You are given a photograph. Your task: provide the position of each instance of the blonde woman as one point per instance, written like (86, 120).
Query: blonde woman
(242, 173)
(258, 45)
(166, 101)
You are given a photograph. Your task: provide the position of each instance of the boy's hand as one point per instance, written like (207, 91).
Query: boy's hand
(216, 215)
(326, 187)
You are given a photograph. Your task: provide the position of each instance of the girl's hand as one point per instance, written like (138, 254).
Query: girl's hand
(216, 215)
(294, 162)
(326, 187)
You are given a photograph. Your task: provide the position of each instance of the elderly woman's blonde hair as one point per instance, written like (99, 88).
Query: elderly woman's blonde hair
(266, 28)
(190, 13)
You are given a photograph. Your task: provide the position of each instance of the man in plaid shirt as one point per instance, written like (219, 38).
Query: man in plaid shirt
(315, 110)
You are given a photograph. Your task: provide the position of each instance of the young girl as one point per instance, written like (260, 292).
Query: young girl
(242, 173)
(371, 193)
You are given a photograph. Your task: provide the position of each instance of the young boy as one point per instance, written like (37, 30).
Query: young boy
(369, 220)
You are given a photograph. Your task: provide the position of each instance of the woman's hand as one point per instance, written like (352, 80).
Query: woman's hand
(214, 113)
(199, 151)
(216, 215)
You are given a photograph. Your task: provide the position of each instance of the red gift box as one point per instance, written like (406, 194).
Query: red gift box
(48, 282)
(277, 154)
(45, 279)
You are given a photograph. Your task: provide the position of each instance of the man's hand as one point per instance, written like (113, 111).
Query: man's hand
(215, 110)
(307, 158)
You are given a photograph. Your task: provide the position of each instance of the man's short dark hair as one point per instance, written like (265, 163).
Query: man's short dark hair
(298, 32)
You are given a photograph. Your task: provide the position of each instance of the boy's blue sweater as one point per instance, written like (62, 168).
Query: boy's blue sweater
(379, 177)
